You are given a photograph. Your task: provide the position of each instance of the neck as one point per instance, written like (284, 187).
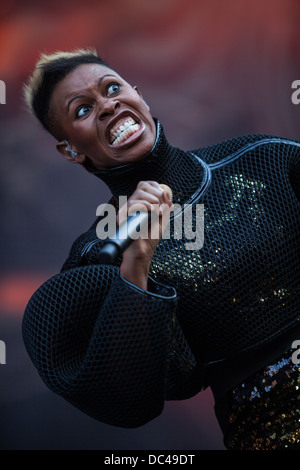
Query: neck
(180, 170)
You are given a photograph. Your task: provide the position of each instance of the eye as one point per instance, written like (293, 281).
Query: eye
(112, 89)
(82, 111)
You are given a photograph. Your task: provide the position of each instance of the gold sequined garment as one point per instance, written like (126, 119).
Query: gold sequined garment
(118, 352)
(265, 409)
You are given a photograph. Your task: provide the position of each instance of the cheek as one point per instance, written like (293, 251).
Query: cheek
(84, 135)
(146, 109)
(136, 101)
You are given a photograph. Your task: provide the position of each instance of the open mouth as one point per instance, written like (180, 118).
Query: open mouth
(124, 128)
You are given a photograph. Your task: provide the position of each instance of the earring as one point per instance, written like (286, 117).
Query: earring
(72, 153)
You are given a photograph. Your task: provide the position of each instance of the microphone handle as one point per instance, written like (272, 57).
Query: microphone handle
(114, 247)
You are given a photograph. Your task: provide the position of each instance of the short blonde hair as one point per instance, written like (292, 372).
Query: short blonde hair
(50, 70)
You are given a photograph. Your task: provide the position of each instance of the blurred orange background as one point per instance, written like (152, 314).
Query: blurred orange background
(209, 70)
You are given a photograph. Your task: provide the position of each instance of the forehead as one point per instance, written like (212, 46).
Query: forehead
(81, 79)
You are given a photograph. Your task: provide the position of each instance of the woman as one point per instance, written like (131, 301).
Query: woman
(163, 322)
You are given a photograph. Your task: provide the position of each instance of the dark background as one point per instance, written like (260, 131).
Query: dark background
(209, 70)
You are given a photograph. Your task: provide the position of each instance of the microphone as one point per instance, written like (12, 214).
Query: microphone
(114, 247)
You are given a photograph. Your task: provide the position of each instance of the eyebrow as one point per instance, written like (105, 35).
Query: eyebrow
(98, 85)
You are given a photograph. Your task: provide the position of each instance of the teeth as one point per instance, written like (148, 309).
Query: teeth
(123, 131)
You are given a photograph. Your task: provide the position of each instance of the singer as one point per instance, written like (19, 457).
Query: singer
(162, 322)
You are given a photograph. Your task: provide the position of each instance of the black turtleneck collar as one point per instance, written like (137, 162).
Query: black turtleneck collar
(182, 171)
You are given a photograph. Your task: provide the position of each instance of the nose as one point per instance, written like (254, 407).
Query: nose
(108, 107)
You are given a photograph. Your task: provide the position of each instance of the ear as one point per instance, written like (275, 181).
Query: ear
(141, 96)
(65, 150)
(137, 90)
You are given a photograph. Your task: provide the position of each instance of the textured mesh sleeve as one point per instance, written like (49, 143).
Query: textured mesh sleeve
(111, 349)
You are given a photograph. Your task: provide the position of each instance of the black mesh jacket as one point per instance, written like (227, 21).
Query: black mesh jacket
(117, 352)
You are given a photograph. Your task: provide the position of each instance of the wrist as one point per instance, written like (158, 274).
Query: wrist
(135, 271)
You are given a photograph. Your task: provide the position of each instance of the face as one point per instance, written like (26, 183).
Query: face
(102, 117)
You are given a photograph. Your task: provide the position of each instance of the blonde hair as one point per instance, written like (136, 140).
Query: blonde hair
(50, 70)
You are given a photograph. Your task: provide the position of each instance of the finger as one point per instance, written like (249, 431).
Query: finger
(141, 206)
(154, 184)
(151, 187)
(134, 206)
(168, 195)
(153, 196)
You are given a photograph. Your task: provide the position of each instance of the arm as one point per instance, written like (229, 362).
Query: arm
(101, 343)
(105, 344)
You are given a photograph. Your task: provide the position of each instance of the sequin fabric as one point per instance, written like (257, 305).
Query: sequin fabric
(265, 409)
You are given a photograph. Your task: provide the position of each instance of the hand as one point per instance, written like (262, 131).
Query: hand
(137, 257)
